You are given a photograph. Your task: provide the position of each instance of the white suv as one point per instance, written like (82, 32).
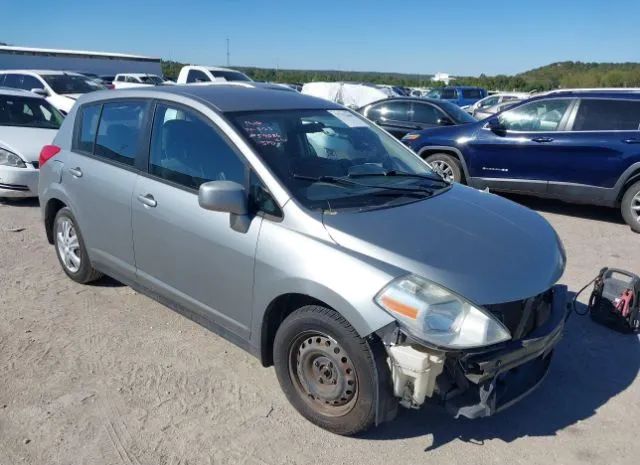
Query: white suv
(60, 88)
(128, 80)
(191, 74)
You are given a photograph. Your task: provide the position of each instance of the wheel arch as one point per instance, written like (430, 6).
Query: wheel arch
(630, 180)
(428, 150)
(51, 209)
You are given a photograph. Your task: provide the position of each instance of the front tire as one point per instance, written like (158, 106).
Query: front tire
(630, 206)
(70, 248)
(326, 370)
(447, 166)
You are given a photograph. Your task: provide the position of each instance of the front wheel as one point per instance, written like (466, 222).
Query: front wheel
(326, 370)
(630, 206)
(447, 166)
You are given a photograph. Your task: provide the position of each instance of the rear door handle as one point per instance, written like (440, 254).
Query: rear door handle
(147, 200)
(75, 172)
(542, 139)
(631, 141)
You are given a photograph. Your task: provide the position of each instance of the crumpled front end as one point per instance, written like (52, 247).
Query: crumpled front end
(481, 382)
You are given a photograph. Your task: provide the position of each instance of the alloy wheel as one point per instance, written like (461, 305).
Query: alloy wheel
(323, 374)
(443, 169)
(68, 244)
(635, 207)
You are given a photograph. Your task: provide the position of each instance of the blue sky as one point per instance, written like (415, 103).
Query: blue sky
(459, 37)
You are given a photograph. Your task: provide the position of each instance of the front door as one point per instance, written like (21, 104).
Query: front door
(185, 253)
(526, 151)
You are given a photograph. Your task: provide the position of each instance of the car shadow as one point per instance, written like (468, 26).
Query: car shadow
(107, 281)
(590, 212)
(591, 365)
(26, 202)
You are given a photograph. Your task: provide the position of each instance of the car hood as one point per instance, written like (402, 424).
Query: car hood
(484, 247)
(25, 142)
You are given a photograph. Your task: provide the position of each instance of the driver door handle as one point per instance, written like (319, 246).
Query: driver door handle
(147, 200)
(75, 172)
(542, 139)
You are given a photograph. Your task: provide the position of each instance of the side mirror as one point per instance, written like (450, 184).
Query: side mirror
(223, 196)
(40, 91)
(445, 121)
(495, 125)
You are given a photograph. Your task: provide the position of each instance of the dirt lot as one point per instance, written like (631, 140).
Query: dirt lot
(102, 375)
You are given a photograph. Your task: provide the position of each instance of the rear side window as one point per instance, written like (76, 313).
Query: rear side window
(471, 93)
(187, 150)
(89, 116)
(197, 76)
(119, 130)
(13, 80)
(397, 111)
(607, 115)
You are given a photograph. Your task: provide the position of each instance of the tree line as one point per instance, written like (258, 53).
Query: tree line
(556, 75)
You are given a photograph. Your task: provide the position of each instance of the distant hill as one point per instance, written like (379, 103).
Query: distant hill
(556, 75)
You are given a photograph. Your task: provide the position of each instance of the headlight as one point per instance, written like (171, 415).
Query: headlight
(438, 316)
(11, 159)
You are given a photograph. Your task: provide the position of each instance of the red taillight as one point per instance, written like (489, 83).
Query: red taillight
(47, 152)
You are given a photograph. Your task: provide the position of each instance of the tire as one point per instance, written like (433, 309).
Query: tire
(68, 243)
(447, 166)
(630, 206)
(315, 343)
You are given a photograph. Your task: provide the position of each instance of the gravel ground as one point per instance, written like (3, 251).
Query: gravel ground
(103, 375)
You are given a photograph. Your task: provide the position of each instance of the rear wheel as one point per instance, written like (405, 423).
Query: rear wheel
(630, 206)
(447, 166)
(71, 250)
(326, 370)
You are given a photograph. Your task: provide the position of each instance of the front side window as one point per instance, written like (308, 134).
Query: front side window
(448, 94)
(396, 111)
(69, 83)
(28, 112)
(607, 115)
(230, 75)
(119, 131)
(426, 114)
(151, 79)
(330, 159)
(472, 93)
(29, 82)
(196, 75)
(538, 116)
(488, 102)
(13, 80)
(187, 150)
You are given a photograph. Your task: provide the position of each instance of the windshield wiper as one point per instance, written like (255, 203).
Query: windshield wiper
(401, 173)
(348, 182)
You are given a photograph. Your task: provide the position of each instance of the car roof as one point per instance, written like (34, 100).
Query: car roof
(8, 91)
(595, 93)
(228, 96)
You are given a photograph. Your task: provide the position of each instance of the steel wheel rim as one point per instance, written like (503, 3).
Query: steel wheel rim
(323, 374)
(68, 245)
(443, 169)
(635, 206)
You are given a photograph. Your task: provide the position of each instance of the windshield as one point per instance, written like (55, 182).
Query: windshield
(151, 79)
(330, 159)
(456, 112)
(70, 83)
(28, 112)
(230, 75)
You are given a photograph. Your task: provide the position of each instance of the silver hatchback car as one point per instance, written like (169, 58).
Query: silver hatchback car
(305, 234)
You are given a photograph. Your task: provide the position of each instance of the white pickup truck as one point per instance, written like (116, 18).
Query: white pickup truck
(192, 74)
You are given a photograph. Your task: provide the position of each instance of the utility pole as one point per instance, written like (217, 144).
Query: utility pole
(228, 54)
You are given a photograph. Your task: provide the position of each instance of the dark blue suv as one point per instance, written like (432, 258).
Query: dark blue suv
(581, 147)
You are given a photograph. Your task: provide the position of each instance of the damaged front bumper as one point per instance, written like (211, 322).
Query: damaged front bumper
(479, 383)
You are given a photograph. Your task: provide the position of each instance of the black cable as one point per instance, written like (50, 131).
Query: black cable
(575, 298)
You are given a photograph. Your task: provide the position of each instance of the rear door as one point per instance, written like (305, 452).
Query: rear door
(99, 175)
(530, 150)
(394, 116)
(192, 256)
(605, 141)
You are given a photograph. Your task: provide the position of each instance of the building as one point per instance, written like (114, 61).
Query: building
(442, 77)
(99, 63)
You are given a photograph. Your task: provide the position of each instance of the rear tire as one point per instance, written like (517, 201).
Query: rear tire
(630, 206)
(448, 166)
(70, 249)
(327, 371)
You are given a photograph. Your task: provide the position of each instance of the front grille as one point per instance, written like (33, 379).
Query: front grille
(523, 316)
